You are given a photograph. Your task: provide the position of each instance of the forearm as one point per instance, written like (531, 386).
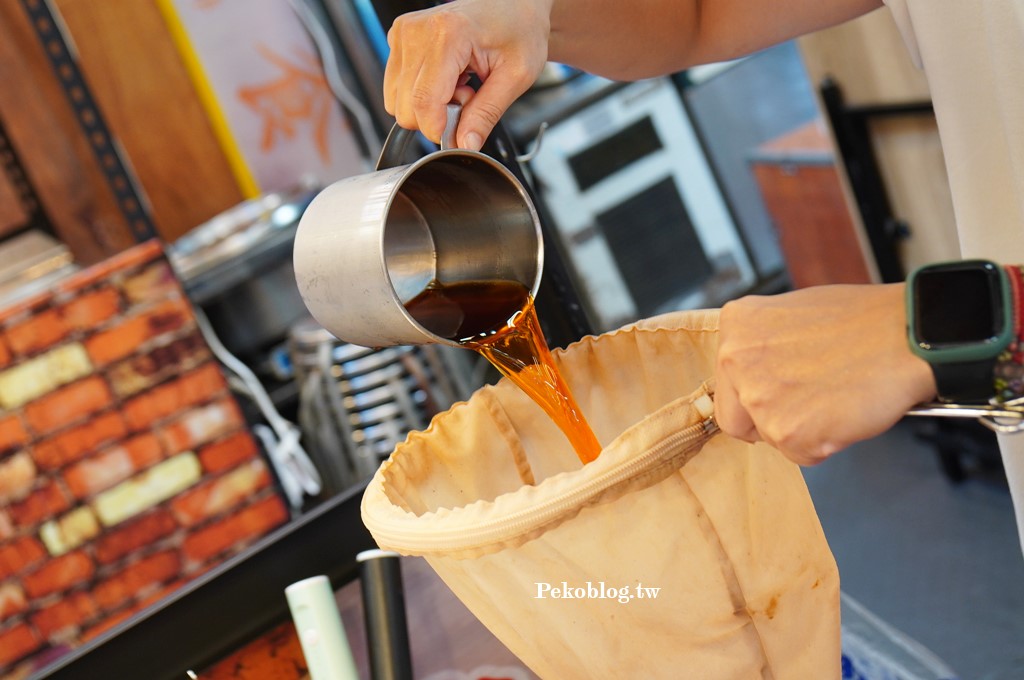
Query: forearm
(622, 40)
(506, 42)
(645, 38)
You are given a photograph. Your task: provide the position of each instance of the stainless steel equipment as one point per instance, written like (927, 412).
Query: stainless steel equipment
(1002, 418)
(356, 404)
(368, 245)
(237, 267)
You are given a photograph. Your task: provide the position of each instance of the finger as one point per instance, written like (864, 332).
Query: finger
(440, 75)
(483, 111)
(392, 70)
(463, 93)
(803, 435)
(422, 95)
(392, 74)
(730, 415)
(402, 68)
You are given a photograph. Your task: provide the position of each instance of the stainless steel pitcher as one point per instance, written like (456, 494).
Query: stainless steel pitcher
(369, 244)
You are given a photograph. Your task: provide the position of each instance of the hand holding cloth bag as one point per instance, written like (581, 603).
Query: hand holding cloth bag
(494, 498)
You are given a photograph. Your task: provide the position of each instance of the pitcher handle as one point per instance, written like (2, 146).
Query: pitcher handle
(393, 151)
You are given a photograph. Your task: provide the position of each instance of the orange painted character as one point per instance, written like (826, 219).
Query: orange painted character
(300, 95)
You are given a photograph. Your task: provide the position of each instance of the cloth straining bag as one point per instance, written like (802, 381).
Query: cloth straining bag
(494, 498)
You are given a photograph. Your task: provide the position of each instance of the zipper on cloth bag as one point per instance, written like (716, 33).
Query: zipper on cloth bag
(677, 441)
(528, 519)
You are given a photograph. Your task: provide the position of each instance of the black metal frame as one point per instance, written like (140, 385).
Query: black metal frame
(851, 126)
(131, 200)
(222, 610)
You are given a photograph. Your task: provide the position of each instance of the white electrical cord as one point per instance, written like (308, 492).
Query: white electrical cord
(295, 470)
(328, 58)
(914, 649)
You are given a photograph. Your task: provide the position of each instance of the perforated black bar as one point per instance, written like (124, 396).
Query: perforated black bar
(130, 199)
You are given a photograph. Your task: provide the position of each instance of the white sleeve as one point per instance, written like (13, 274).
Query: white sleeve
(901, 14)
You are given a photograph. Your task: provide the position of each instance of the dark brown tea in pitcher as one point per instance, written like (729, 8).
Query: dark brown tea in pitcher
(497, 320)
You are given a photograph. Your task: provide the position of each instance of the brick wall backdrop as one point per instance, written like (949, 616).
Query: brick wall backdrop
(126, 467)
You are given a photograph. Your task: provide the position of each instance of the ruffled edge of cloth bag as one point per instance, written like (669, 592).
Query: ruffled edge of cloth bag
(484, 522)
(674, 401)
(749, 583)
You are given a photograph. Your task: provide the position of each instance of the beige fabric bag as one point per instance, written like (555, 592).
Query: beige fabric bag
(492, 495)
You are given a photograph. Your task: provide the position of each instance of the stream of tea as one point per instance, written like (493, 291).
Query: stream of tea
(497, 320)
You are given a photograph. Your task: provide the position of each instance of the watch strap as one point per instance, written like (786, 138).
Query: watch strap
(1009, 368)
(964, 381)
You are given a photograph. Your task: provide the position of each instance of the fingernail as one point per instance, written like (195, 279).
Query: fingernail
(473, 141)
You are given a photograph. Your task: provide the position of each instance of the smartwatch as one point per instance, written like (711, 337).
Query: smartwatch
(959, 320)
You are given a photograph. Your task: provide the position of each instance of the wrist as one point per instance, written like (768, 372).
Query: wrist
(916, 373)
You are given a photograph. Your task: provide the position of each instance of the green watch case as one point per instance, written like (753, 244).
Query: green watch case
(959, 312)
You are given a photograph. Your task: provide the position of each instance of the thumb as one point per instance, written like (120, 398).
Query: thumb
(484, 109)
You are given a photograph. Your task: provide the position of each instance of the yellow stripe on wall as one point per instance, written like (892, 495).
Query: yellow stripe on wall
(221, 129)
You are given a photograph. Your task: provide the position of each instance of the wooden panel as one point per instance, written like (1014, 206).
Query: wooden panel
(802, 191)
(12, 215)
(815, 232)
(145, 93)
(56, 156)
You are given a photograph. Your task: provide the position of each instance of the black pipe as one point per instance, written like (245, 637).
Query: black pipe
(387, 634)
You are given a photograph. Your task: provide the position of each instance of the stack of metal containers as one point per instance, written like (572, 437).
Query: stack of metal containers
(356, 404)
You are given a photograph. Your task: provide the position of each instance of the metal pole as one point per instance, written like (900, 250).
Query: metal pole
(387, 635)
